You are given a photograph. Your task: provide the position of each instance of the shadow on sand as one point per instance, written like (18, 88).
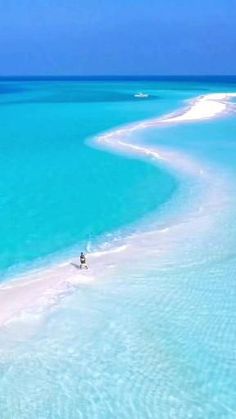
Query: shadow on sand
(75, 265)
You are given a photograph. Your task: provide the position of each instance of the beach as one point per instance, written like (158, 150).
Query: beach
(42, 289)
(146, 188)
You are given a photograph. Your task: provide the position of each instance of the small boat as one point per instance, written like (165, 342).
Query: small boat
(141, 95)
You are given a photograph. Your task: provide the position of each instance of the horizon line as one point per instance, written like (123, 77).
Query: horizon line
(115, 76)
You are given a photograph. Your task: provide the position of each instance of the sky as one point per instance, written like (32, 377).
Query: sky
(117, 37)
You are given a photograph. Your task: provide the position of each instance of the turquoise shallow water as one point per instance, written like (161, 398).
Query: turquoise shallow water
(56, 192)
(157, 338)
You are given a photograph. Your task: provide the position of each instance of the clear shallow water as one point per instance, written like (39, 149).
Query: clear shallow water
(157, 339)
(56, 192)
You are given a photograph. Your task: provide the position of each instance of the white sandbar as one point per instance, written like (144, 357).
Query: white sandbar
(37, 290)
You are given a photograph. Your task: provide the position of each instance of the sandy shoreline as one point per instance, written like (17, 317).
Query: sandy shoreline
(38, 290)
(204, 107)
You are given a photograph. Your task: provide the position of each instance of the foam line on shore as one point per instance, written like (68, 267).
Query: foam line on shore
(41, 289)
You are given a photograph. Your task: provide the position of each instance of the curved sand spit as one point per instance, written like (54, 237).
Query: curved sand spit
(34, 291)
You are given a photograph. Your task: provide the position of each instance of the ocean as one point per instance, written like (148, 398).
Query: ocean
(56, 192)
(149, 331)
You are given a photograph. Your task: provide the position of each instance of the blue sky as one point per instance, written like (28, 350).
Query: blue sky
(86, 37)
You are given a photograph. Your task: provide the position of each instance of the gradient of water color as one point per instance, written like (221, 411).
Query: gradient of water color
(156, 339)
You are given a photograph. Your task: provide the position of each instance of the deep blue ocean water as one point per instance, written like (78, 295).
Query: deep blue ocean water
(157, 339)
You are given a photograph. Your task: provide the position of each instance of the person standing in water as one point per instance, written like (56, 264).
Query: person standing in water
(83, 262)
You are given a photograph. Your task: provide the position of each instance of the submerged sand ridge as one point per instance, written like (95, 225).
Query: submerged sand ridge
(41, 289)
